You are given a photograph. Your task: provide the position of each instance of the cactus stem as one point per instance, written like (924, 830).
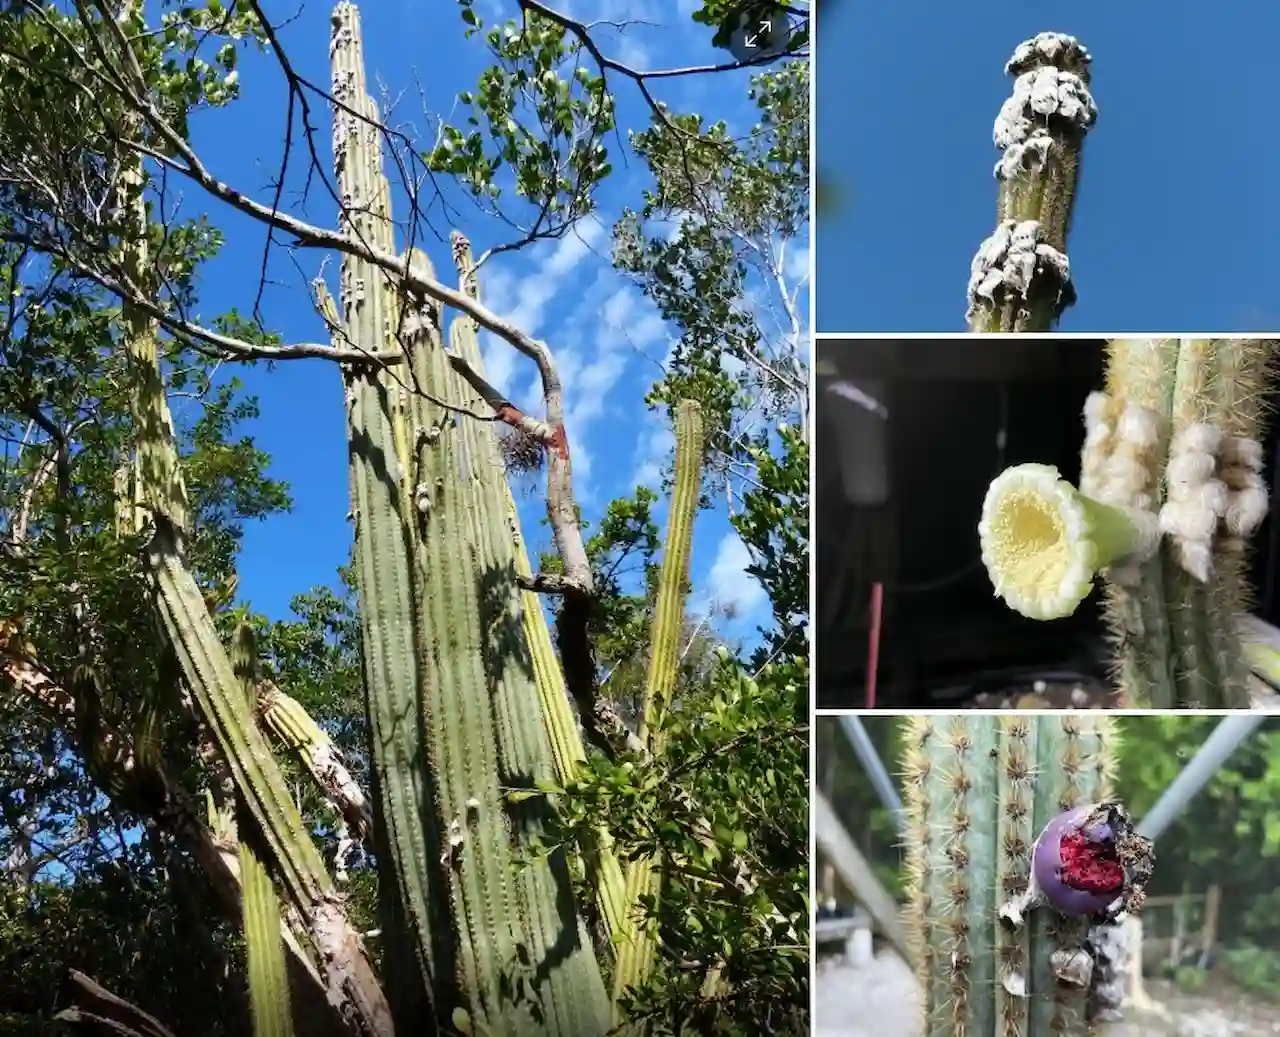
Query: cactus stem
(1020, 279)
(637, 950)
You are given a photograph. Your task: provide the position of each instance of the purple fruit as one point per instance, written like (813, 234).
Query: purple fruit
(1076, 863)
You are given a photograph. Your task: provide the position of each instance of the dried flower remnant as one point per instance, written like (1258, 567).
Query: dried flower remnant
(522, 453)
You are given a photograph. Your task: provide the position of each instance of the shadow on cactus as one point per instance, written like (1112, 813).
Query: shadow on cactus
(1171, 490)
(1020, 867)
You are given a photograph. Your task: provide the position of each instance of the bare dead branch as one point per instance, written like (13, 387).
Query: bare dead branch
(96, 1010)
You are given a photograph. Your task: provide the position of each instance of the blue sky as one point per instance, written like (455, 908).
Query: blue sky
(607, 338)
(1177, 217)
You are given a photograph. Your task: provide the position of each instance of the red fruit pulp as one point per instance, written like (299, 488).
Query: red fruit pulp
(1085, 866)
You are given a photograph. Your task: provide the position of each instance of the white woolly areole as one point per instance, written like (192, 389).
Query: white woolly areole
(1200, 436)
(1014, 255)
(1128, 475)
(1140, 426)
(1022, 158)
(1246, 509)
(1095, 408)
(1125, 476)
(1196, 516)
(1190, 469)
(1039, 95)
(1097, 436)
(1248, 499)
(1053, 47)
(1126, 479)
(1194, 557)
(1196, 499)
(1237, 450)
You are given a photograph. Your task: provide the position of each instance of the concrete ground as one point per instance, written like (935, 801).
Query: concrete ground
(881, 1000)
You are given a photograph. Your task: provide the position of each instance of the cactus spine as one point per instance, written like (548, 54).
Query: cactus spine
(1172, 460)
(636, 951)
(1020, 279)
(978, 791)
(268, 978)
(450, 690)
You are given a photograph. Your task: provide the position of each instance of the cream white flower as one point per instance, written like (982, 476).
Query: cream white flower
(1043, 541)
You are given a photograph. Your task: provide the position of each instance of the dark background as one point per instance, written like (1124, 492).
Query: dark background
(944, 635)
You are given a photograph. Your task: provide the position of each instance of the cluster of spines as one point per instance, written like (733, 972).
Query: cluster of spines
(978, 790)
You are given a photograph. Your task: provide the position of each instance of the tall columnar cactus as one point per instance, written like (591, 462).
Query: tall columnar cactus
(186, 624)
(567, 750)
(1170, 491)
(1020, 278)
(1018, 864)
(494, 940)
(268, 978)
(636, 953)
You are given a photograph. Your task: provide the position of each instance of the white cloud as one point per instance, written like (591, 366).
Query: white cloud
(523, 299)
(797, 264)
(634, 319)
(653, 447)
(728, 583)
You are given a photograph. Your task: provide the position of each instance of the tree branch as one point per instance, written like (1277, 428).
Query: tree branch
(96, 1010)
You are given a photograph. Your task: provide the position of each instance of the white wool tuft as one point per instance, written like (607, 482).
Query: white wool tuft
(1139, 426)
(1195, 558)
(1199, 436)
(1189, 469)
(1238, 450)
(1246, 510)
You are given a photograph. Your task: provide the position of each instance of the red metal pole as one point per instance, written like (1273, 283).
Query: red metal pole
(873, 648)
